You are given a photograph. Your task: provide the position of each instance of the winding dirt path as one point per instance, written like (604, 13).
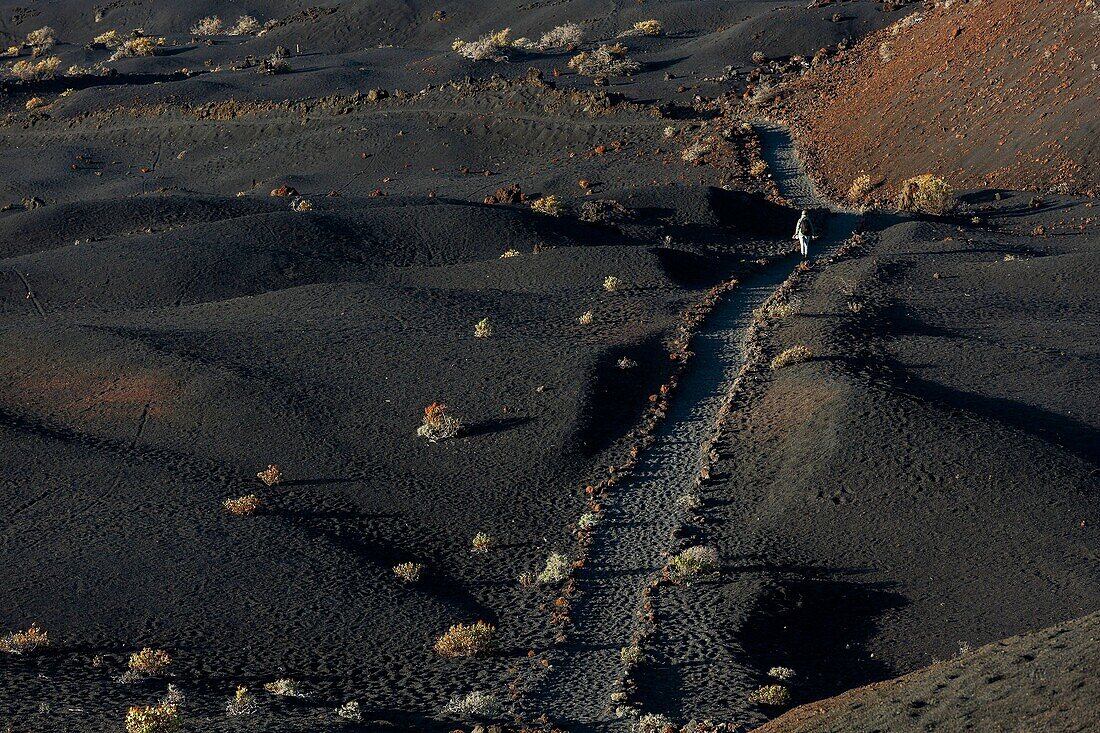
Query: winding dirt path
(630, 543)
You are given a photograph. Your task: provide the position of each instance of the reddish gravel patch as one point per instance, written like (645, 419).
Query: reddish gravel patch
(996, 94)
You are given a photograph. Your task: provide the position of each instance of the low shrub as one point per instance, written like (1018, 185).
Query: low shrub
(781, 673)
(349, 711)
(408, 572)
(644, 28)
(773, 695)
(150, 662)
(549, 205)
(208, 26)
(860, 188)
(108, 40)
(474, 705)
(139, 46)
(631, 655)
(467, 640)
(626, 363)
(246, 26)
(273, 65)
(612, 283)
(588, 521)
(689, 502)
(243, 505)
(565, 37)
(692, 564)
(926, 194)
(271, 476)
(21, 642)
(793, 355)
(603, 211)
(437, 424)
(481, 542)
(242, 703)
(604, 60)
(283, 687)
(42, 70)
(557, 569)
(778, 309)
(509, 253)
(490, 47)
(163, 718)
(654, 723)
(41, 39)
(585, 319)
(483, 329)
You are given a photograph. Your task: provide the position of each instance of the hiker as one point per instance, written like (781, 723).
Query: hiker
(804, 232)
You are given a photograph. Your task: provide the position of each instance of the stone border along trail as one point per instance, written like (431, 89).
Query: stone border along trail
(630, 543)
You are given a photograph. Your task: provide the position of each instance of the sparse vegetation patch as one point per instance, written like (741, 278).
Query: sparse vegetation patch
(243, 505)
(163, 718)
(926, 194)
(692, 564)
(408, 572)
(437, 424)
(772, 695)
(793, 355)
(28, 70)
(467, 640)
(208, 26)
(150, 662)
(490, 47)
(473, 706)
(604, 60)
(22, 642)
(556, 570)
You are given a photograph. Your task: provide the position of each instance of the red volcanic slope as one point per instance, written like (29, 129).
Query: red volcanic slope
(1000, 93)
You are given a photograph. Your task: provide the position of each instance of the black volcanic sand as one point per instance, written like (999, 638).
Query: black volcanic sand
(167, 329)
(1047, 680)
(927, 480)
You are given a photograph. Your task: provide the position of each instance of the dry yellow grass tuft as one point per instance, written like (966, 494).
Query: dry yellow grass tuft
(163, 718)
(774, 695)
(408, 572)
(283, 687)
(481, 542)
(648, 28)
(149, 661)
(21, 642)
(271, 475)
(243, 505)
(927, 194)
(793, 355)
(437, 424)
(861, 186)
(467, 640)
(27, 70)
(208, 26)
(140, 46)
(550, 205)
